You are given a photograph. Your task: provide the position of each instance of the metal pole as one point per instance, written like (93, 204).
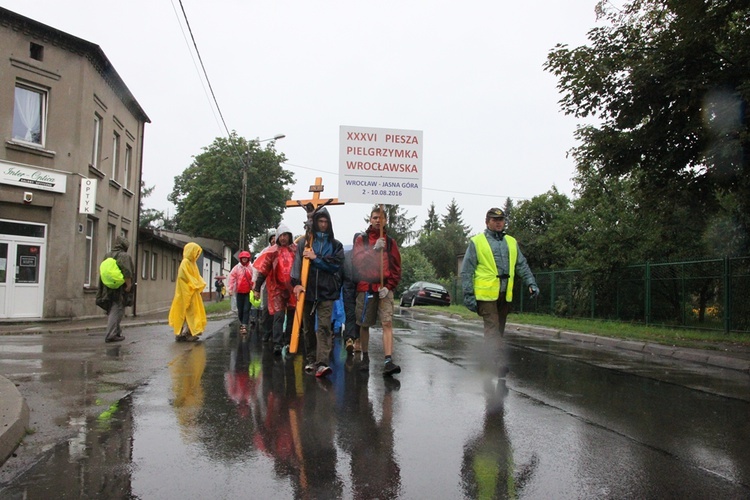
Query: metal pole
(243, 202)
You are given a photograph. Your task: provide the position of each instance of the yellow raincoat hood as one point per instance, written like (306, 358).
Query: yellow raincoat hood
(187, 304)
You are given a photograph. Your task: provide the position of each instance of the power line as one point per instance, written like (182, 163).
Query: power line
(451, 191)
(210, 87)
(192, 58)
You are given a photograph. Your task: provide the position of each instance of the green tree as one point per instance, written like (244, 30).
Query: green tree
(149, 217)
(398, 225)
(453, 216)
(433, 222)
(208, 193)
(508, 209)
(414, 267)
(542, 227)
(669, 85)
(442, 249)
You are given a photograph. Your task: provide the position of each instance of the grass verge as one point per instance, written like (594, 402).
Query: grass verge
(631, 331)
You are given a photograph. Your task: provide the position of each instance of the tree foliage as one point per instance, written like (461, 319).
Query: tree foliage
(208, 193)
(149, 217)
(433, 222)
(542, 227)
(414, 267)
(398, 224)
(453, 216)
(669, 83)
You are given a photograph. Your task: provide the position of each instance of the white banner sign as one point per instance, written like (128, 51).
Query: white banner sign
(32, 177)
(379, 165)
(87, 205)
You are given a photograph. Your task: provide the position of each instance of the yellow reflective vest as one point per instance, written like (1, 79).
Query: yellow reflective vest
(486, 278)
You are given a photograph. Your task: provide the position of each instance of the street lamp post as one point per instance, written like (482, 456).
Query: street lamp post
(243, 203)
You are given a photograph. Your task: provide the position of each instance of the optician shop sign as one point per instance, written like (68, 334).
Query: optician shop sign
(379, 165)
(25, 176)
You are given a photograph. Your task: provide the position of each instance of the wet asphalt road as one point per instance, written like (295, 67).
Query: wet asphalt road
(225, 418)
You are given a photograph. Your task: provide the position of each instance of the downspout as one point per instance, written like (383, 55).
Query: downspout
(141, 133)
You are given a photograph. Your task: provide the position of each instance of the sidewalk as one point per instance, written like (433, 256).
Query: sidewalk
(14, 412)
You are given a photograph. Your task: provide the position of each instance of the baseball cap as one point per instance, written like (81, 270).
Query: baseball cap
(494, 213)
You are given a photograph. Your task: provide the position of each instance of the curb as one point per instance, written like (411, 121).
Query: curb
(684, 354)
(14, 418)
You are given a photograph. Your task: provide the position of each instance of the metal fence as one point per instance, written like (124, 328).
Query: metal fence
(706, 294)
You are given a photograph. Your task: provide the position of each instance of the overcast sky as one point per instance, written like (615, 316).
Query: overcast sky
(467, 74)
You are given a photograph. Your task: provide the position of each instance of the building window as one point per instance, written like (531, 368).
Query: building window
(164, 264)
(36, 51)
(29, 114)
(115, 155)
(126, 166)
(174, 269)
(144, 266)
(111, 232)
(154, 258)
(89, 252)
(96, 149)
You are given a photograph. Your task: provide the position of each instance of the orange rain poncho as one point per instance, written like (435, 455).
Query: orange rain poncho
(187, 304)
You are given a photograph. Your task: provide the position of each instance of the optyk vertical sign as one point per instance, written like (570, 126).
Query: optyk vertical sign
(87, 204)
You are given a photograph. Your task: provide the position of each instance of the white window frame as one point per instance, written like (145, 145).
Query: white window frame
(111, 231)
(154, 261)
(96, 147)
(115, 154)
(89, 257)
(126, 166)
(145, 265)
(44, 97)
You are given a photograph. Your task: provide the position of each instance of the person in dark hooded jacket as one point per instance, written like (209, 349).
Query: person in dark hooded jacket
(115, 300)
(326, 255)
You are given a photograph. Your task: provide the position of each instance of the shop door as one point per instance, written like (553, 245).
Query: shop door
(21, 274)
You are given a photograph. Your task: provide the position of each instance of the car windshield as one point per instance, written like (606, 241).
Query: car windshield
(434, 285)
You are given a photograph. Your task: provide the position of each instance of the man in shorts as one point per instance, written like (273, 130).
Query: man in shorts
(374, 251)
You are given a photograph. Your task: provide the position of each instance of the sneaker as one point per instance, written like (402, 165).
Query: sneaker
(116, 338)
(390, 368)
(192, 338)
(349, 346)
(323, 370)
(310, 367)
(357, 346)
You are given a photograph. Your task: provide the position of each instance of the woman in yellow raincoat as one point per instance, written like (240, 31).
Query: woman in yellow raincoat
(188, 316)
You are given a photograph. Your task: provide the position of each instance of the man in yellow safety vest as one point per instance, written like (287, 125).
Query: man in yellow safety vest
(489, 269)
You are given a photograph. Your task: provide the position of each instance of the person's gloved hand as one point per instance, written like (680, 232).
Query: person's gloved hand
(534, 291)
(383, 292)
(471, 303)
(379, 245)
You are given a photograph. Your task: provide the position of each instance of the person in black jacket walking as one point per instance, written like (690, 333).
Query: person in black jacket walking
(326, 256)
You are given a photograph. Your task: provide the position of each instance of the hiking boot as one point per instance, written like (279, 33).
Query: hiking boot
(357, 346)
(349, 346)
(323, 370)
(390, 368)
(364, 365)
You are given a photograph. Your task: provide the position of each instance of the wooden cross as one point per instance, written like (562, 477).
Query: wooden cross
(310, 206)
(315, 202)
